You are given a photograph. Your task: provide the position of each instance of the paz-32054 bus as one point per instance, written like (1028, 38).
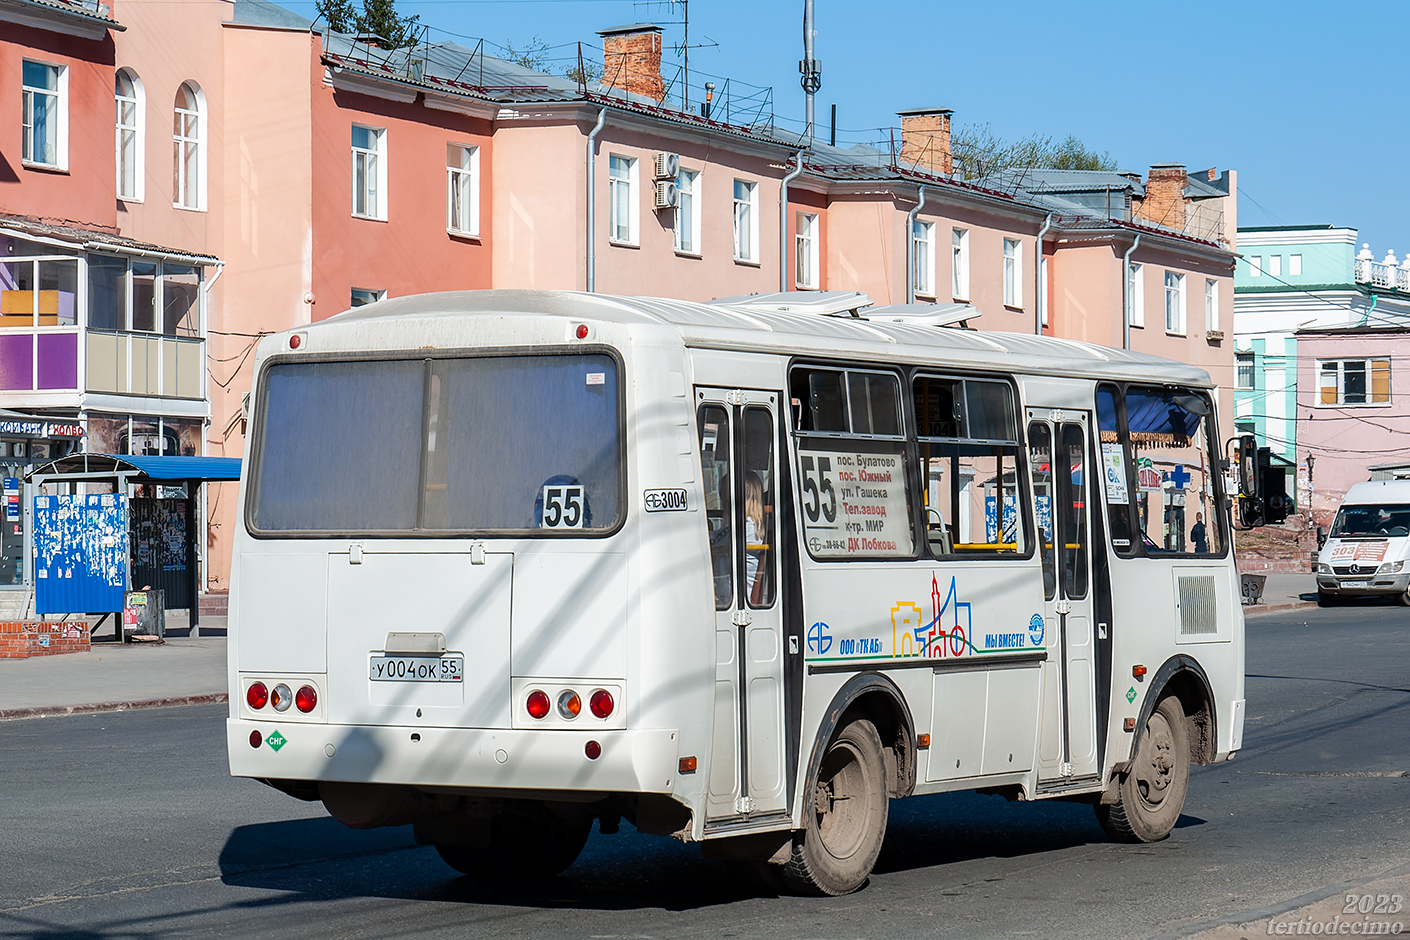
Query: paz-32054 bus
(512, 562)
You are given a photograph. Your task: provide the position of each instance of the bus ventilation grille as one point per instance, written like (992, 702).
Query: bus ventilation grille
(1197, 610)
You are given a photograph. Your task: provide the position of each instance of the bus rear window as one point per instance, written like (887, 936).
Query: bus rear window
(513, 444)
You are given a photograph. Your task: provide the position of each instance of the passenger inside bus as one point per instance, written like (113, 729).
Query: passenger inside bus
(754, 530)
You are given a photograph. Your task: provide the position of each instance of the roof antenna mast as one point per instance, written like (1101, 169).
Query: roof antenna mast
(810, 67)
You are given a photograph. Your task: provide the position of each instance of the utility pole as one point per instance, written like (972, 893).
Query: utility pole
(810, 67)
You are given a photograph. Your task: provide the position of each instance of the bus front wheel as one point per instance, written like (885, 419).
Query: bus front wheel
(846, 816)
(1152, 792)
(526, 842)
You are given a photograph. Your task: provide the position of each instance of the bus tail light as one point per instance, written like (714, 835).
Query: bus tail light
(306, 700)
(538, 704)
(257, 695)
(601, 703)
(256, 739)
(593, 750)
(281, 698)
(569, 704)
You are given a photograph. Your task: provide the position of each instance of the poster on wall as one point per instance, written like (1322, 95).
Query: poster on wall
(854, 505)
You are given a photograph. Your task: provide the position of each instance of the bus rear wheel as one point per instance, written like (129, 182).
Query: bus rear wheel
(846, 818)
(526, 842)
(1151, 793)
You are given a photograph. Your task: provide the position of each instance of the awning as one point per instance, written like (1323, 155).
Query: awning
(135, 468)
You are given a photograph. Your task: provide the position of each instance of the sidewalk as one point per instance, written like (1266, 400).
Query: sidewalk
(1284, 591)
(117, 676)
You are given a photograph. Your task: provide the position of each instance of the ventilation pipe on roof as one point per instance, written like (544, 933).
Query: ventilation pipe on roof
(1040, 299)
(1126, 293)
(592, 201)
(783, 220)
(911, 248)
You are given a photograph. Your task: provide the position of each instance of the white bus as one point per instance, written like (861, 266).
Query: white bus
(511, 562)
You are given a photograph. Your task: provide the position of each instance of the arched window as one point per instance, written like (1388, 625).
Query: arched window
(127, 92)
(189, 153)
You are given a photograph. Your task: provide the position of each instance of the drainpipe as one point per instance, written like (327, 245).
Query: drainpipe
(910, 247)
(783, 221)
(1126, 294)
(592, 201)
(1040, 298)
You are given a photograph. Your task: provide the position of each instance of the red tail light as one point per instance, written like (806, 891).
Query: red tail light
(256, 696)
(538, 703)
(601, 703)
(592, 750)
(256, 739)
(306, 699)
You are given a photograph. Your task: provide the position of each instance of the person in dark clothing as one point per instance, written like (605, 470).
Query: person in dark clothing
(1198, 535)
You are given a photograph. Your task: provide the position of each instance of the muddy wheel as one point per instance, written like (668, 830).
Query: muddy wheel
(846, 816)
(1152, 792)
(525, 843)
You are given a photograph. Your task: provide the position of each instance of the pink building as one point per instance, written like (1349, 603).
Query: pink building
(1350, 416)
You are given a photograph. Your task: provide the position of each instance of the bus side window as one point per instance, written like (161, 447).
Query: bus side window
(1118, 479)
(714, 465)
(759, 555)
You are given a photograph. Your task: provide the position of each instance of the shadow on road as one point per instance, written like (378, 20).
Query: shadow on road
(320, 859)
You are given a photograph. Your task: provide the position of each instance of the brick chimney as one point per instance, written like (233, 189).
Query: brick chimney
(631, 58)
(1165, 196)
(925, 139)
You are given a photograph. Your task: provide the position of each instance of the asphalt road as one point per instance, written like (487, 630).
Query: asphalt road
(126, 825)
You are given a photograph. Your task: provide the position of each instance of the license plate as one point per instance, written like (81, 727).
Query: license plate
(417, 669)
(1355, 584)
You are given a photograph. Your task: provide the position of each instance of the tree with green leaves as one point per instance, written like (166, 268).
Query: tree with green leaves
(979, 152)
(378, 18)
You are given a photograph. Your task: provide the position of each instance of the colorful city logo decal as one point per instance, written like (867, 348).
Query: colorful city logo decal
(1035, 630)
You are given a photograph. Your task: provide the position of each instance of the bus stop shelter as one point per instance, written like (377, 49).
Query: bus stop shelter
(88, 550)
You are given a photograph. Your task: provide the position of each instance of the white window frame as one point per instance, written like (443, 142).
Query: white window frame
(623, 196)
(687, 227)
(362, 296)
(1211, 304)
(1245, 361)
(1136, 294)
(374, 173)
(1294, 265)
(188, 188)
(1013, 273)
(1175, 303)
(959, 264)
(1255, 265)
(805, 251)
(135, 131)
(746, 221)
(1275, 265)
(60, 102)
(462, 189)
(1338, 370)
(923, 258)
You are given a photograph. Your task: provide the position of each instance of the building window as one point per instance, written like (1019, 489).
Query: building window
(45, 137)
(188, 152)
(1135, 295)
(746, 221)
(462, 189)
(362, 296)
(1013, 273)
(1275, 265)
(1354, 381)
(1174, 302)
(1294, 265)
(1255, 266)
(923, 257)
(806, 251)
(959, 264)
(369, 172)
(688, 212)
(1244, 369)
(622, 199)
(1211, 304)
(127, 94)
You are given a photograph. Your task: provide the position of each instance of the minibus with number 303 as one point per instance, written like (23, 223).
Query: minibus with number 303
(512, 563)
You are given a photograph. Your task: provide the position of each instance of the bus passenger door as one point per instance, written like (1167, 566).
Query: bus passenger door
(740, 475)
(1061, 465)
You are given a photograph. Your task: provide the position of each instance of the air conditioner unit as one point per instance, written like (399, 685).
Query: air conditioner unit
(666, 196)
(668, 166)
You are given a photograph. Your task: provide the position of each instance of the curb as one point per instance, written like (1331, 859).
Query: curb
(1259, 609)
(53, 711)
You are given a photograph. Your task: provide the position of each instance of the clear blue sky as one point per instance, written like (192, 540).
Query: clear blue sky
(1308, 101)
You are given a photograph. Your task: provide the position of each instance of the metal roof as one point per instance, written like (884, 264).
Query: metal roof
(198, 469)
(92, 12)
(264, 13)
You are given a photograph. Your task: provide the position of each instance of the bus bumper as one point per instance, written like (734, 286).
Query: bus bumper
(630, 761)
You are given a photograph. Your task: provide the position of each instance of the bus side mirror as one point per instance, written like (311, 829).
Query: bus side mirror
(1321, 538)
(1248, 467)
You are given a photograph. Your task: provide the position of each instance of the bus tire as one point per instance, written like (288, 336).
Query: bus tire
(1151, 793)
(845, 816)
(524, 845)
